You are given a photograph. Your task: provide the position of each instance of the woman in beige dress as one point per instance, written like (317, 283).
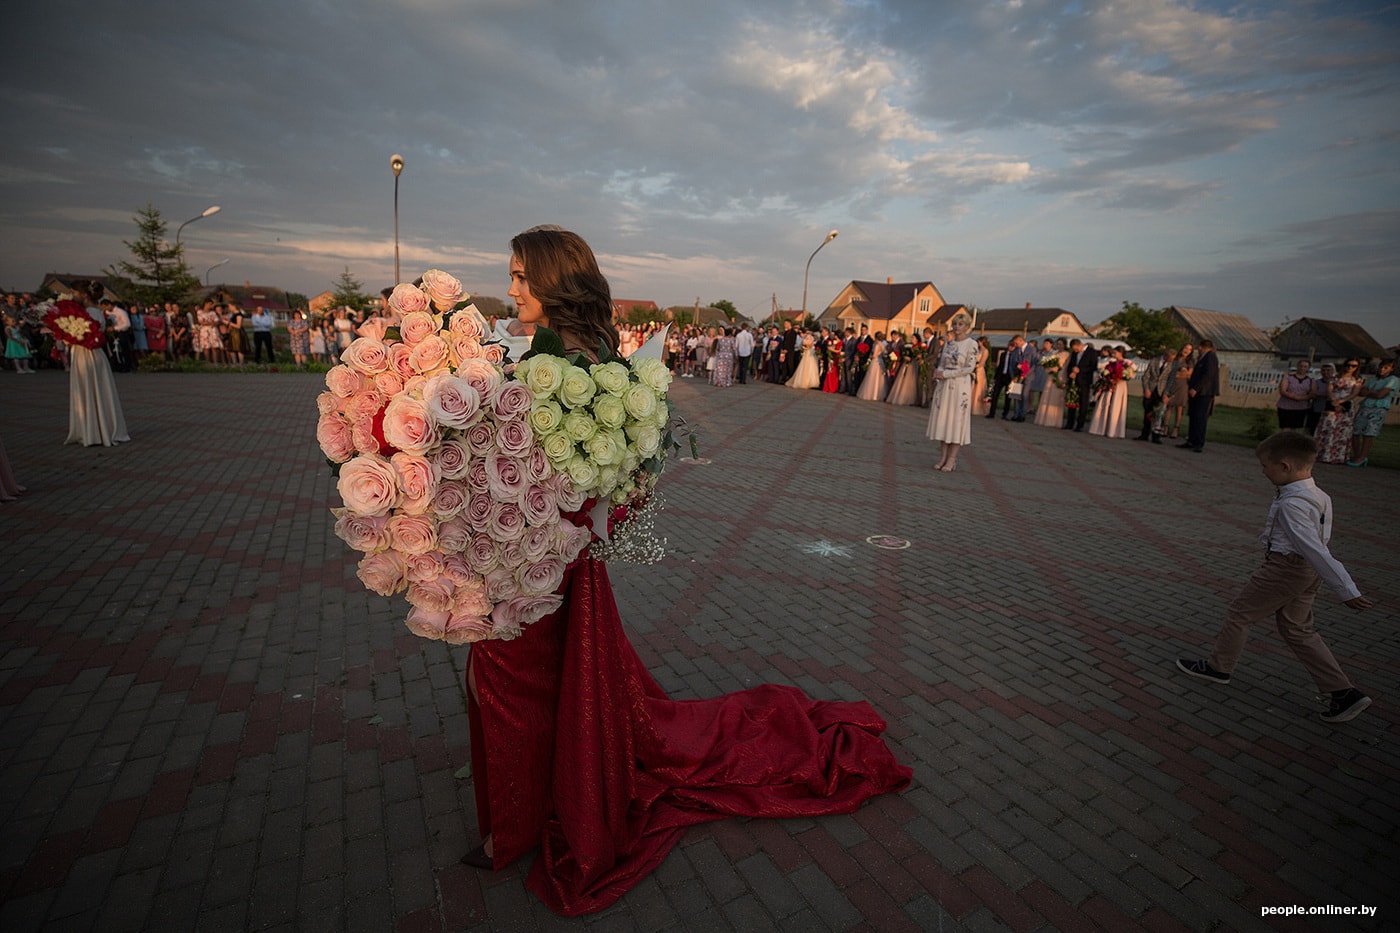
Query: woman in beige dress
(981, 405)
(1050, 412)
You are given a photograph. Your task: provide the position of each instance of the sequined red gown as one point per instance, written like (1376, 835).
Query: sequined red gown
(576, 750)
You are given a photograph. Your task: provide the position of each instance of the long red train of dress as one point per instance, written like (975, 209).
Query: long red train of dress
(577, 750)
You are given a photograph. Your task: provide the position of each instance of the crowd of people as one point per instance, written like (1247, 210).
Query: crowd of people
(1343, 410)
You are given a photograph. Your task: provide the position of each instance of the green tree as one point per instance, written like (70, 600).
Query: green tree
(727, 306)
(297, 300)
(1148, 331)
(156, 272)
(349, 293)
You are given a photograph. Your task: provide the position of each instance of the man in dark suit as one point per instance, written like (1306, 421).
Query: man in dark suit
(1007, 369)
(1202, 387)
(1080, 370)
(860, 362)
(789, 350)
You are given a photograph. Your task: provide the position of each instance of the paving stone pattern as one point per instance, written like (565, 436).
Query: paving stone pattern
(207, 723)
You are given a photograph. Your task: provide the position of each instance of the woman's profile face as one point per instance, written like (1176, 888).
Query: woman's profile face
(959, 328)
(527, 308)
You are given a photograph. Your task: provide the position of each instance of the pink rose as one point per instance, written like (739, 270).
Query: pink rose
(453, 458)
(494, 352)
(388, 383)
(512, 400)
(366, 356)
(505, 476)
(416, 326)
(478, 511)
(455, 568)
(366, 404)
(569, 496)
(501, 585)
(369, 485)
(482, 554)
(481, 438)
(420, 567)
(513, 554)
(454, 535)
(451, 498)
(470, 599)
(362, 432)
(484, 377)
(409, 425)
(362, 532)
(413, 534)
(431, 357)
(537, 466)
(431, 595)
(406, 299)
(452, 401)
(515, 613)
(383, 573)
(468, 322)
(465, 628)
(400, 361)
(334, 434)
(328, 403)
(426, 624)
(476, 476)
(463, 349)
(573, 539)
(443, 289)
(540, 505)
(418, 479)
(541, 577)
(540, 541)
(514, 437)
(344, 381)
(507, 522)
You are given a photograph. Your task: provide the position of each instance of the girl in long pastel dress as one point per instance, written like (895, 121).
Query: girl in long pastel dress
(17, 345)
(1050, 411)
(95, 414)
(873, 386)
(981, 404)
(905, 388)
(1111, 406)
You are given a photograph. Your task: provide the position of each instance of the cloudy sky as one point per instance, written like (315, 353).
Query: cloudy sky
(1241, 157)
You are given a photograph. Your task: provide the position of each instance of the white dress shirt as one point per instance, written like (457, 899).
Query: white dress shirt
(1300, 522)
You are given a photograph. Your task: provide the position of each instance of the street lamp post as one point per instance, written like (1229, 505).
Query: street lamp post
(829, 237)
(208, 212)
(396, 163)
(212, 268)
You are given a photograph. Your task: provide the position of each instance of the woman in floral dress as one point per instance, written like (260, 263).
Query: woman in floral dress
(1334, 430)
(724, 358)
(950, 412)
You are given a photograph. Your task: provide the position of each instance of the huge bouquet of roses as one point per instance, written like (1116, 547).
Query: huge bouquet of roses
(70, 322)
(459, 478)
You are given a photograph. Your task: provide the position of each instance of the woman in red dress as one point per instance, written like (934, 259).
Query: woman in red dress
(575, 748)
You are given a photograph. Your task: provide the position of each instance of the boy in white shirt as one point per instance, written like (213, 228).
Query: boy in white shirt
(1297, 562)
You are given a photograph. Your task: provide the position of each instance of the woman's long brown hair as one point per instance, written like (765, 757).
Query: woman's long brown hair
(564, 277)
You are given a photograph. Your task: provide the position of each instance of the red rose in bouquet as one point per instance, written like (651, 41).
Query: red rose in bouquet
(70, 322)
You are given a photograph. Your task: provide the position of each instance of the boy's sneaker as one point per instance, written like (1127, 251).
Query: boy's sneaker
(1346, 704)
(1200, 667)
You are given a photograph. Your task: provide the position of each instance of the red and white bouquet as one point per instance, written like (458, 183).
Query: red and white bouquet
(461, 480)
(70, 322)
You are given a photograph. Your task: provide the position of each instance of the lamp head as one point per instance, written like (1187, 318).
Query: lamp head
(396, 163)
(831, 236)
(210, 211)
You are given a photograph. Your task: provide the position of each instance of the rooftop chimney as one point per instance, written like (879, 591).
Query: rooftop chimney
(1028, 306)
(889, 280)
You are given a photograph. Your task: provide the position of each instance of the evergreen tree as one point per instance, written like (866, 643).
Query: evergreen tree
(349, 293)
(157, 272)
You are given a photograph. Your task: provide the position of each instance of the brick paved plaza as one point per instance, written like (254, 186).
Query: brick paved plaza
(209, 724)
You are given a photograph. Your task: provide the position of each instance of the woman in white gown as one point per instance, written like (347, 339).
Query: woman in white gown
(872, 388)
(1111, 401)
(950, 412)
(94, 410)
(808, 374)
